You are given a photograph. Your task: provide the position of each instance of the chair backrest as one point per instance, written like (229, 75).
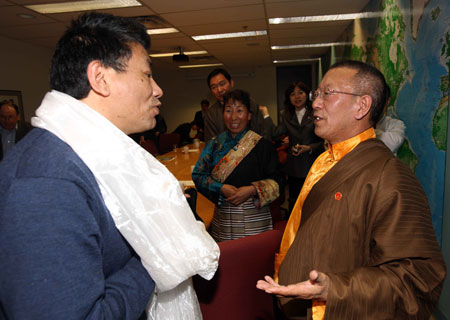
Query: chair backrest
(232, 293)
(282, 153)
(167, 141)
(150, 146)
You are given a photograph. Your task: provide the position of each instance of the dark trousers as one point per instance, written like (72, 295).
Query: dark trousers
(295, 186)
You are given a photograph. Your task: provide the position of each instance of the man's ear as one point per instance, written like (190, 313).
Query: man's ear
(97, 77)
(249, 117)
(231, 84)
(364, 105)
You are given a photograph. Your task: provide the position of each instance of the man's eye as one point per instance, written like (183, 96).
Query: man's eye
(149, 75)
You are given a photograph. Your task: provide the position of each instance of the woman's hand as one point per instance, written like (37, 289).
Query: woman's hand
(228, 190)
(299, 149)
(241, 194)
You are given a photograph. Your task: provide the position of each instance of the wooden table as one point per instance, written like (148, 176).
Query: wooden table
(181, 167)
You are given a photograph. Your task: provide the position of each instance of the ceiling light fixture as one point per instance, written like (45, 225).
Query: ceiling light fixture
(170, 54)
(82, 6)
(162, 31)
(200, 65)
(230, 35)
(327, 17)
(296, 60)
(311, 45)
(26, 16)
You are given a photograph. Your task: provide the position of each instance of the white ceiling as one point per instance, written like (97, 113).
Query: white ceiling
(199, 17)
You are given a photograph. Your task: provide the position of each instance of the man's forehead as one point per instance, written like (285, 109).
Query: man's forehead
(338, 76)
(218, 78)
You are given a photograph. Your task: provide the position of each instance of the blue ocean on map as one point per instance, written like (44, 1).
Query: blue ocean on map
(419, 98)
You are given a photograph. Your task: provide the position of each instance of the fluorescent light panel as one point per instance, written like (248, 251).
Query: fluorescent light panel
(169, 54)
(200, 65)
(162, 31)
(296, 60)
(82, 6)
(230, 35)
(311, 45)
(328, 17)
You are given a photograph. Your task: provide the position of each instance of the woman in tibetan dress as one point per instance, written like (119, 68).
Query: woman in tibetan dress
(239, 171)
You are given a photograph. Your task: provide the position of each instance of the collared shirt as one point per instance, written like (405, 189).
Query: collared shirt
(300, 114)
(8, 139)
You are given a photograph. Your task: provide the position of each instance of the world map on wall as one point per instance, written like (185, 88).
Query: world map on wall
(410, 44)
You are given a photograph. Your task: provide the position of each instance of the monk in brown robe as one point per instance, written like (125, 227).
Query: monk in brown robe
(359, 243)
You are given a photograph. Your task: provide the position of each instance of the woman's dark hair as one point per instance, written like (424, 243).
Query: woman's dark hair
(288, 106)
(93, 36)
(237, 95)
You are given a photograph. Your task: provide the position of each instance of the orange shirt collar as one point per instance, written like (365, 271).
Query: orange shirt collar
(340, 149)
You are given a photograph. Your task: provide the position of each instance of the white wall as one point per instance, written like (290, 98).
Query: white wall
(25, 68)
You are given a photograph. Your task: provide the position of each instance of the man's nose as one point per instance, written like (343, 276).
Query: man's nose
(157, 91)
(316, 104)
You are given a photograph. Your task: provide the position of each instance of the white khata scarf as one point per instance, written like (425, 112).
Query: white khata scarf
(145, 201)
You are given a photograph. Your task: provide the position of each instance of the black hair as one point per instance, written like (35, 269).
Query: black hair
(204, 101)
(237, 95)
(93, 36)
(288, 106)
(217, 71)
(369, 80)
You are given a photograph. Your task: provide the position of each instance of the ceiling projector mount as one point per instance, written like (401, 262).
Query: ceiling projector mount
(181, 57)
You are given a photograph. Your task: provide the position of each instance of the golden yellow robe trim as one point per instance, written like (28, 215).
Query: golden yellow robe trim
(320, 167)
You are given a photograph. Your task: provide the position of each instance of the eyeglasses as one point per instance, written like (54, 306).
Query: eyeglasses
(327, 92)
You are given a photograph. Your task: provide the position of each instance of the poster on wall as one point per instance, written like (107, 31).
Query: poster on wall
(15, 97)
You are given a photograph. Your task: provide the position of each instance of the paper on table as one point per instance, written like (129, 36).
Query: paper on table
(187, 183)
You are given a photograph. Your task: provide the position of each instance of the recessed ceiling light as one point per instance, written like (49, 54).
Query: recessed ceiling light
(82, 6)
(169, 54)
(230, 35)
(200, 65)
(311, 45)
(162, 31)
(328, 17)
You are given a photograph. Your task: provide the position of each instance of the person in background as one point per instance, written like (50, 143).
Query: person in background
(90, 222)
(391, 131)
(11, 128)
(304, 146)
(220, 82)
(198, 119)
(152, 134)
(239, 171)
(359, 243)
